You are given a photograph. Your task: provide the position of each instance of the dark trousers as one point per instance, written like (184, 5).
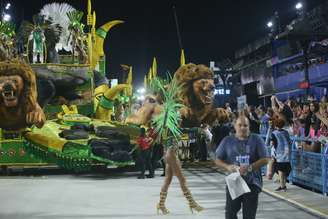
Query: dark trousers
(145, 162)
(248, 202)
(203, 150)
(158, 155)
(193, 149)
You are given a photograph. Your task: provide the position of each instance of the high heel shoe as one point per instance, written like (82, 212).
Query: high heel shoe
(192, 203)
(161, 205)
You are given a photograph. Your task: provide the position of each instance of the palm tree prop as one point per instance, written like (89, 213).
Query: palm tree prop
(43, 26)
(7, 29)
(7, 32)
(75, 20)
(166, 124)
(154, 86)
(77, 34)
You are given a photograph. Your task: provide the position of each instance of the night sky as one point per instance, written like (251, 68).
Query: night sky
(210, 29)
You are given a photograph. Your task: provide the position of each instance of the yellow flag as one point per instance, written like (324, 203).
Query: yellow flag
(94, 19)
(154, 68)
(129, 79)
(145, 81)
(89, 6)
(93, 29)
(129, 82)
(150, 75)
(182, 58)
(89, 21)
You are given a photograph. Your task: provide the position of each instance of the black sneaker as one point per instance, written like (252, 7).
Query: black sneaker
(141, 177)
(281, 189)
(150, 176)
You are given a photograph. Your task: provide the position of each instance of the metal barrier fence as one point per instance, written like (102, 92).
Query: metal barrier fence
(308, 168)
(325, 174)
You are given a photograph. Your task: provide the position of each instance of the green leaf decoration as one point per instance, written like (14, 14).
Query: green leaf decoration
(75, 20)
(7, 29)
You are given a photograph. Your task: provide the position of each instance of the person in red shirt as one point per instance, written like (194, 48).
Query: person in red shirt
(144, 143)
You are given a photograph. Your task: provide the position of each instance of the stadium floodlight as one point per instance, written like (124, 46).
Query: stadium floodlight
(6, 17)
(141, 97)
(141, 90)
(269, 24)
(7, 6)
(299, 6)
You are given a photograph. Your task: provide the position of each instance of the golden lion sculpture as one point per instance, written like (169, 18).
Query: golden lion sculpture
(197, 94)
(18, 97)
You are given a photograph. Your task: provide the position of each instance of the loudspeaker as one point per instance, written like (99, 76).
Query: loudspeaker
(250, 90)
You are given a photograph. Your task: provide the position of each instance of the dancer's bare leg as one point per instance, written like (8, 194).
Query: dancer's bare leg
(167, 181)
(168, 177)
(177, 171)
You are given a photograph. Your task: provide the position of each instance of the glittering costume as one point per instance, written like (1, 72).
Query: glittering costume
(167, 126)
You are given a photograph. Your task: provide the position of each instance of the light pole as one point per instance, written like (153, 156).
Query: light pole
(299, 7)
(274, 24)
(277, 21)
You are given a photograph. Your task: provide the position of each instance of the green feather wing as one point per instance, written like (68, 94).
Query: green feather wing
(167, 122)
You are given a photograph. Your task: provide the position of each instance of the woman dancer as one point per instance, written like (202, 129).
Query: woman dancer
(167, 126)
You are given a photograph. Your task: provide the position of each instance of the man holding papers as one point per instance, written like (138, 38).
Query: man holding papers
(244, 153)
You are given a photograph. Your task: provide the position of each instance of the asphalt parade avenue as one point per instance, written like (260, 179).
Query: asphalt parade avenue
(121, 195)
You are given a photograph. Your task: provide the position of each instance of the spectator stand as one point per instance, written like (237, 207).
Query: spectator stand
(309, 169)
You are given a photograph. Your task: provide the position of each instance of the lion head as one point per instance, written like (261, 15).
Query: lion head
(17, 83)
(11, 88)
(197, 85)
(18, 96)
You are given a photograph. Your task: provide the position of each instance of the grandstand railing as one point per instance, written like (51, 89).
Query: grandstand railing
(309, 169)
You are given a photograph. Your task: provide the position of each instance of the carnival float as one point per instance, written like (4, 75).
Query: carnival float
(55, 109)
(59, 110)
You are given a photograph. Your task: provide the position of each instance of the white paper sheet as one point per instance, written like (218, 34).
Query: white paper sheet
(236, 185)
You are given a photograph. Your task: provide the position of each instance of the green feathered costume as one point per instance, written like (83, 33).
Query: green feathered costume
(168, 132)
